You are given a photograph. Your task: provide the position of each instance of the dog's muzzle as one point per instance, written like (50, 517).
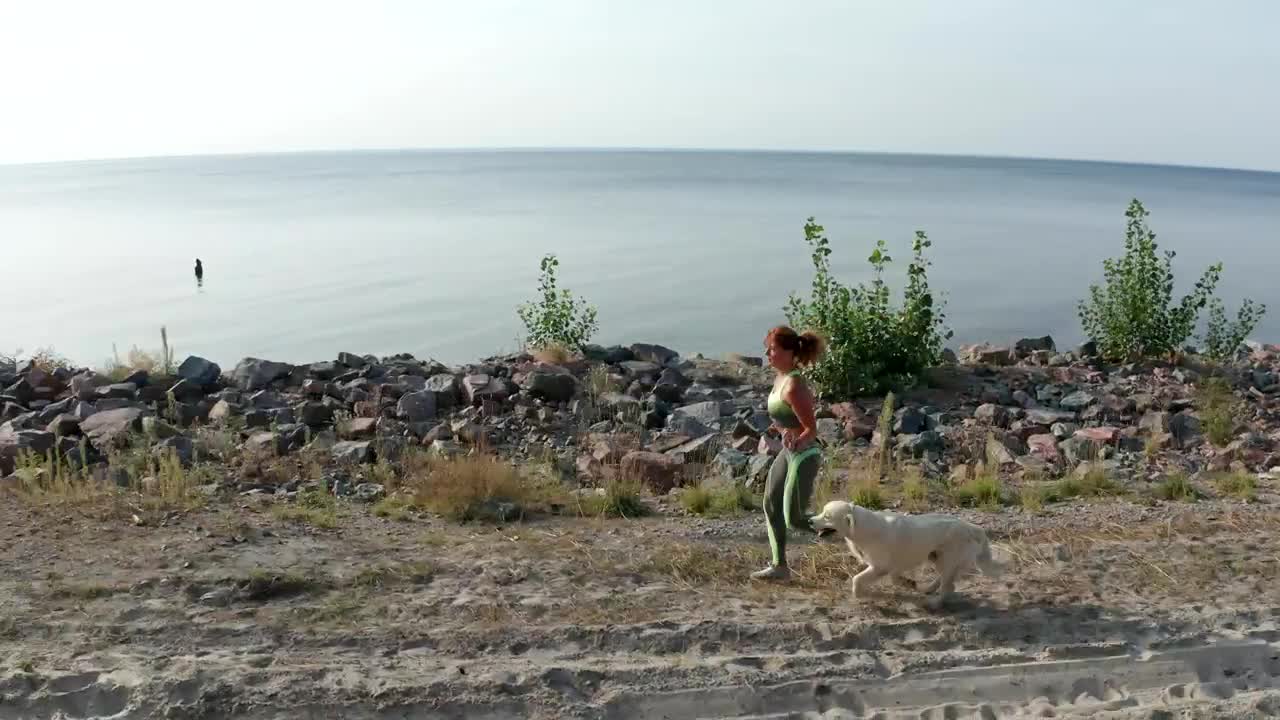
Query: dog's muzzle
(826, 531)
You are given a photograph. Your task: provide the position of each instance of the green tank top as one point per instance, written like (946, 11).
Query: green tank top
(779, 411)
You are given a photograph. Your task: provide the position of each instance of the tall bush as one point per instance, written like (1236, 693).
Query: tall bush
(872, 346)
(1132, 315)
(556, 318)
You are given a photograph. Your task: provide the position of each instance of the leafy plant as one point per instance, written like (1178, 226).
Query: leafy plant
(872, 345)
(1223, 337)
(1133, 315)
(557, 318)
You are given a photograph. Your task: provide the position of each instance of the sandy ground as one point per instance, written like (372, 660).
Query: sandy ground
(1107, 610)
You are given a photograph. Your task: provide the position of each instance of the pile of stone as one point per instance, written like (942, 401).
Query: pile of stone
(643, 411)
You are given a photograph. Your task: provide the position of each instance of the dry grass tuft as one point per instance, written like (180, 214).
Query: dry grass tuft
(717, 499)
(553, 354)
(313, 507)
(1218, 409)
(982, 491)
(480, 487)
(1238, 485)
(622, 498)
(1177, 487)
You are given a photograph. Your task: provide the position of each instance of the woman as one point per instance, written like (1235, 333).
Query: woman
(791, 477)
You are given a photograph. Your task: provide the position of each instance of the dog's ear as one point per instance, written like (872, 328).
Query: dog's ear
(848, 521)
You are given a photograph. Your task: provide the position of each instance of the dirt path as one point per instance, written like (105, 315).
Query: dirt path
(1151, 612)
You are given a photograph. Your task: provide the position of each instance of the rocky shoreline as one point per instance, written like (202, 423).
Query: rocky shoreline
(1026, 411)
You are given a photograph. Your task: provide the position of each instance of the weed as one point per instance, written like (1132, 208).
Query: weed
(717, 500)
(387, 575)
(1222, 338)
(1093, 483)
(1177, 487)
(1219, 410)
(915, 493)
(1239, 485)
(983, 490)
(313, 507)
(393, 508)
(478, 487)
(1033, 497)
(868, 495)
(623, 498)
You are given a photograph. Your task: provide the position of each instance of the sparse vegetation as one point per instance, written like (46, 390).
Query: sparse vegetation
(1132, 315)
(915, 493)
(313, 507)
(1094, 483)
(1238, 485)
(717, 499)
(1222, 337)
(556, 319)
(1177, 487)
(867, 493)
(480, 487)
(622, 498)
(393, 508)
(872, 345)
(982, 491)
(1219, 410)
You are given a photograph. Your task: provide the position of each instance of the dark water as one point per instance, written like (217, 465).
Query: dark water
(430, 252)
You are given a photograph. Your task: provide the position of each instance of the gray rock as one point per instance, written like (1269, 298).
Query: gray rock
(255, 374)
(707, 413)
(180, 446)
(479, 387)
(687, 425)
(369, 492)
(186, 391)
(991, 414)
(353, 452)
(699, 450)
(1045, 416)
(15, 442)
(909, 421)
(1186, 430)
(119, 391)
(417, 406)
(325, 371)
(929, 441)
(550, 385)
(64, 424)
(267, 442)
(1026, 346)
(1063, 430)
(351, 360)
(731, 463)
(830, 430)
(158, 429)
(313, 414)
(1078, 449)
(446, 389)
(758, 471)
(1154, 422)
(1003, 449)
(639, 368)
(656, 354)
(1077, 401)
(203, 373)
(106, 428)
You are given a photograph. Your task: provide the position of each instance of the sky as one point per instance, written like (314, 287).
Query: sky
(1163, 81)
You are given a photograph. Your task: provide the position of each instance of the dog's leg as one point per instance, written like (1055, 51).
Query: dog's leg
(946, 583)
(904, 581)
(862, 581)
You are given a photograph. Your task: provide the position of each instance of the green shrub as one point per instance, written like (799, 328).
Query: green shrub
(1219, 410)
(557, 318)
(871, 345)
(1133, 315)
(1177, 487)
(1223, 337)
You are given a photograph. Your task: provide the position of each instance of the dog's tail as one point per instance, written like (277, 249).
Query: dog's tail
(987, 563)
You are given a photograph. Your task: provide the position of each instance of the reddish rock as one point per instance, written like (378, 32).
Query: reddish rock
(1105, 434)
(1045, 447)
(358, 428)
(659, 472)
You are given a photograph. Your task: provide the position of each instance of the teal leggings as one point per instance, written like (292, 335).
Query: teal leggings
(786, 496)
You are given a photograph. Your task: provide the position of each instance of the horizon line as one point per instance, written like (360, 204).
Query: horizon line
(630, 149)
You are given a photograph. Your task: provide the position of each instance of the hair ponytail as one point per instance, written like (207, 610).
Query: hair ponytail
(807, 346)
(810, 348)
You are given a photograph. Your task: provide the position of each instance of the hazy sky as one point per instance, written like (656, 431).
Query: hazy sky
(1171, 81)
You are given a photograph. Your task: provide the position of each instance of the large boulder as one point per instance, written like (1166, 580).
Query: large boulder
(706, 413)
(255, 374)
(201, 372)
(550, 384)
(659, 472)
(656, 354)
(15, 442)
(446, 389)
(180, 446)
(110, 427)
(353, 452)
(417, 406)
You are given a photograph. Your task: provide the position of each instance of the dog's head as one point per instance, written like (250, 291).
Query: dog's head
(836, 518)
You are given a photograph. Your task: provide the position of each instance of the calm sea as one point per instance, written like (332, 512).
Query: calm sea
(307, 255)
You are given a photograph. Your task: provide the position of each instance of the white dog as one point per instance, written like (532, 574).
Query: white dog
(893, 544)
